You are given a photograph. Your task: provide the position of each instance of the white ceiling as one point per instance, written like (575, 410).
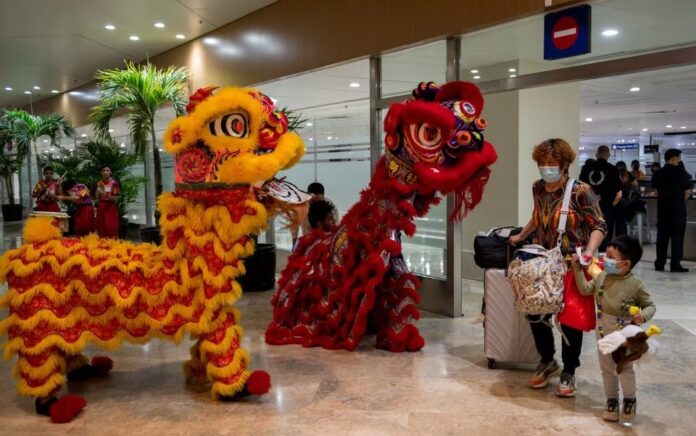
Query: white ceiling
(666, 97)
(60, 44)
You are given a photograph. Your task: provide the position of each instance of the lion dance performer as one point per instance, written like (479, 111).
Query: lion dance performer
(67, 293)
(336, 284)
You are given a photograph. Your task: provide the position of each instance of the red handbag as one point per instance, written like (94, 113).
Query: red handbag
(578, 310)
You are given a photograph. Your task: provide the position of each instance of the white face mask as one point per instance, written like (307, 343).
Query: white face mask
(550, 174)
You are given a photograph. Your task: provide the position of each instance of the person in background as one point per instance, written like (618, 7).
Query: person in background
(585, 228)
(586, 168)
(108, 191)
(316, 189)
(636, 171)
(673, 186)
(654, 168)
(605, 182)
(83, 218)
(322, 215)
(45, 192)
(629, 189)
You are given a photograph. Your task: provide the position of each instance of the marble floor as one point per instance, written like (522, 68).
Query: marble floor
(444, 389)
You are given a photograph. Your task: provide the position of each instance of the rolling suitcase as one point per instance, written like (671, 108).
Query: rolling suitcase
(507, 336)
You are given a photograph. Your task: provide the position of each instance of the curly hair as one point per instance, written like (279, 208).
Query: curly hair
(557, 148)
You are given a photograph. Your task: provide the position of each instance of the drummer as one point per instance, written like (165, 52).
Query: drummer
(45, 192)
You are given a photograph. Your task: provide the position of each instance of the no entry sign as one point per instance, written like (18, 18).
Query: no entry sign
(567, 32)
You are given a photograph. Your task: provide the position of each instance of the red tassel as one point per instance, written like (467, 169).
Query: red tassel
(470, 195)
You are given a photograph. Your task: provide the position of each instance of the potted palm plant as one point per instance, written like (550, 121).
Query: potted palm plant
(140, 90)
(28, 128)
(12, 155)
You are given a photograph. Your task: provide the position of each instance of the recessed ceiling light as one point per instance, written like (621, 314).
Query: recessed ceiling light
(45, 141)
(512, 70)
(474, 71)
(8, 88)
(27, 92)
(36, 87)
(134, 38)
(110, 27)
(84, 135)
(477, 77)
(211, 41)
(588, 119)
(635, 89)
(111, 130)
(123, 145)
(309, 124)
(512, 76)
(180, 36)
(645, 129)
(669, 126)
(683, 127)
(354, 85)
(311, 139)
(274, 100)
(54, 91)
(610, 32)
(329, 138)
(159, 25)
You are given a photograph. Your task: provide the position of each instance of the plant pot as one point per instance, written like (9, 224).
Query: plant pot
(260, 269)
(123, 228)
(151, 234)
(12, 212)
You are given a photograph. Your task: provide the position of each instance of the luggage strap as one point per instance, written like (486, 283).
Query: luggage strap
(565, 207)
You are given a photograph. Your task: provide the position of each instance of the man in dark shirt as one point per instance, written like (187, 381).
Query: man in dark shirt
(605, 182)
(673, 186)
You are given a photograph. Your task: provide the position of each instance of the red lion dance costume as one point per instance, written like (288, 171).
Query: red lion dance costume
(336, 284)
(67, 293)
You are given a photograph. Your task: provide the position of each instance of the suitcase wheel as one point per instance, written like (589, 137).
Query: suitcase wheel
(492, 364)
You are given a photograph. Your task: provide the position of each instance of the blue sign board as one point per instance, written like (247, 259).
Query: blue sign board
(567, 32)
(625, 146)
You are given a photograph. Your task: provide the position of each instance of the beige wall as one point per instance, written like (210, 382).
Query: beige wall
(303, 35)
(546, 112)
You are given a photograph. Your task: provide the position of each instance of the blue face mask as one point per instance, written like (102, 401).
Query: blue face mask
(610, 266)
(550, 174)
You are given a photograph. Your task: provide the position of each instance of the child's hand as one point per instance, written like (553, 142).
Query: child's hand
(574, 259)
(638, 319)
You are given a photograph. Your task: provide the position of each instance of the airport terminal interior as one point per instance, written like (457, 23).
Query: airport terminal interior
(334, 72)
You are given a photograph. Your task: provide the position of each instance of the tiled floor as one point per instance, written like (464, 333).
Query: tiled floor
(444, 389)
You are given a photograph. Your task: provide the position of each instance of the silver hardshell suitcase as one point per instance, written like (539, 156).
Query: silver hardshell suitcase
(507, 335)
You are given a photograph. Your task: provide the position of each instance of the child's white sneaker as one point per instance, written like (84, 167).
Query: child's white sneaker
(628, 411)
(611, 411)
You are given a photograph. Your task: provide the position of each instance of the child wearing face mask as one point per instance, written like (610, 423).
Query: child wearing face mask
(616, 290)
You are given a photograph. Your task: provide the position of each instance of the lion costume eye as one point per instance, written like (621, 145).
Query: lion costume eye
(427, 135)
(234, 124)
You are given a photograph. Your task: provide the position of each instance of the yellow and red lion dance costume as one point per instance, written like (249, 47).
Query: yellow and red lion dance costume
(67, 293)
(336, 284)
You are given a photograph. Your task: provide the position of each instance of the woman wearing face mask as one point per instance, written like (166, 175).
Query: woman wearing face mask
(585, 228)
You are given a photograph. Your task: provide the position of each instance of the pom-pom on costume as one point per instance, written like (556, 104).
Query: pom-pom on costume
(336, 284)
(67, 293)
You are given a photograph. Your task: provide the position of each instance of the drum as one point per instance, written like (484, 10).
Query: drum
(63, 219)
